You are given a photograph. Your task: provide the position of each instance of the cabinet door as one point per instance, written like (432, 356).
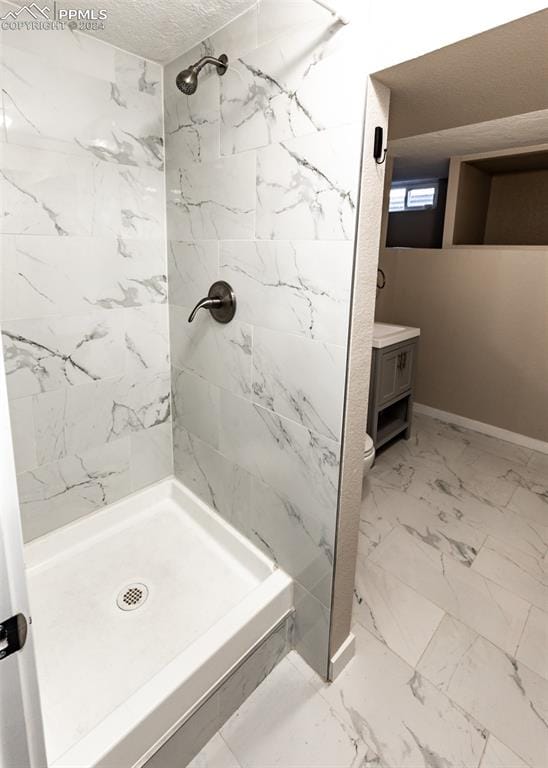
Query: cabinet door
(404, 368)
(388, 377)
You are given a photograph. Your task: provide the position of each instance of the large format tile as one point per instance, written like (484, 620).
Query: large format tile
(525, 575)
(277, 91)
(300, 464)
(300, 379)
(192, 268)
(58, 493)
(287, 723)
(307, 187)
(421, 518)
(196, 405)
(45, 355)
(398, 616)
(533, 646)
(220, 353)
(481, 604)
(151, 455)
(310, 280)
(71, 421)
(48, 276)
(45, 193)
(219, 482)
(407, 721)
(117, 119)
(22, 433)
(212, 200)
(215, 754)
(504, 695)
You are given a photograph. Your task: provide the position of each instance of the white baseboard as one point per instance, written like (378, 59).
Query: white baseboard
(342, 657)
(485, 429)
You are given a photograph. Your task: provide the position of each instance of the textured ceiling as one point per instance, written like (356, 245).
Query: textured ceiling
(427, 154)
(160, 29)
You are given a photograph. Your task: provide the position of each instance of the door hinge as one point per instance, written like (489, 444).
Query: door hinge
(13, 634)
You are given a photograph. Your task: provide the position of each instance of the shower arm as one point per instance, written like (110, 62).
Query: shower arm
(333, 12)
(208, 60)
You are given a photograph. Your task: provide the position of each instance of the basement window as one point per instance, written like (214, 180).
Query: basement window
(413, 197)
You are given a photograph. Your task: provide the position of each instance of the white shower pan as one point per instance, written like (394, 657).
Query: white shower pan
(116, 683)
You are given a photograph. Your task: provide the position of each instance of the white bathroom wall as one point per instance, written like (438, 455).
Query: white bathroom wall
(262, 170)
(83, 274)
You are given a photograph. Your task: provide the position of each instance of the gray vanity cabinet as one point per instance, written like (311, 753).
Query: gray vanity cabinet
(391, 391)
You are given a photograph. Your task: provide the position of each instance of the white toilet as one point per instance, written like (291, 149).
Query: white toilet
(368, 455)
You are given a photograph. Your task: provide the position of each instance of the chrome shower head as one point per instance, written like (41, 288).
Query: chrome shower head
(187, 79)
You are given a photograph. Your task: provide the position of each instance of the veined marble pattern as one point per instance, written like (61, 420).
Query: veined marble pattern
(45, 276)
(285, 380)
(83, 285)
(117, 120)
(428, 687)
(278, 91)
(310, 280)
(307, 187)
(58, 493)
(213, 200)
(262, 178)
(298, 463)
(69, 421)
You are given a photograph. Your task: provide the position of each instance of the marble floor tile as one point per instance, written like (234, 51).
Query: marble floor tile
(512, 569)
(397, 615)
(288, 724)
(481, 604)
(497, 755)
(406, 719)
(533, 646)
(509, 699)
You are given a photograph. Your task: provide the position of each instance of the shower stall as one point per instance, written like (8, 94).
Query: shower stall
(178, 482)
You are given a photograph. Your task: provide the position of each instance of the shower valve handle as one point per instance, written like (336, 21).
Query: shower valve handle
(220, 301)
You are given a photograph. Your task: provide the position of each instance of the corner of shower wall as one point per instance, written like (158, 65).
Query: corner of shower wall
(83, 300)
(262, 170)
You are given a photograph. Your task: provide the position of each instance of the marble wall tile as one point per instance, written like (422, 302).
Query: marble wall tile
(135, 207)
(45, 193)
(146, 339)
(481, 604)
(22, 432)
(58, 493)
(504, 695)
(52, 107)
(72, 421)
(397, 615)
(45, 276)
(312, 622)
(213, 200)
(286, 380)
(297, 287)
(192, 268)
(301, 465)
(192, 123)
(534, 642)
(219, 482)
(44, 355)
(219, 353)
(151, 455)
(278, 91)
(196, 405)
(298, 539)
(307, 187)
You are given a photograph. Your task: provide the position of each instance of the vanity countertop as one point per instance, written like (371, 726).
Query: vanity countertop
(384, 334)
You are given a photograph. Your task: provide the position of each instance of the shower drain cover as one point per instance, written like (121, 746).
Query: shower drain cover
(132, 596)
